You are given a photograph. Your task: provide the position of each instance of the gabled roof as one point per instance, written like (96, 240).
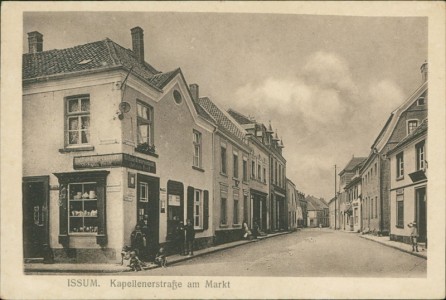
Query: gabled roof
(421, 129)
(355, 162)
(223, 120)
(240, 118)
(388, 129)
(315, 203)
(99, 55)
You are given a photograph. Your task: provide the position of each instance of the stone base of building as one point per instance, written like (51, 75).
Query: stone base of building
(400, 238)
(84, 255)
(227, 236)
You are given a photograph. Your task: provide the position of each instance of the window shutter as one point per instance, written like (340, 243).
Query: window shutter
(206, 210)
(190, 203)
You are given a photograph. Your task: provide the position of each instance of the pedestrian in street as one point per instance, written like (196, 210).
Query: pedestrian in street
(246, 231)
(414, 235)
(190, 236)
(179, 238)
(138, 240)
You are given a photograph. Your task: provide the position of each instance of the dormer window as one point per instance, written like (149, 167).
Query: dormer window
(411, 126)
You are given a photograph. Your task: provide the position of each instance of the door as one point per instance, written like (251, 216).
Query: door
(147, 210)
(35, 216)
(420, 214)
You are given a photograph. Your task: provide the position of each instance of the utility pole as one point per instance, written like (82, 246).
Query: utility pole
(335, 201)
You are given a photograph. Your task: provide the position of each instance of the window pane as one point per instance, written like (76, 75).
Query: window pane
(143, 133)
(85, 122)
(73, 137)
(85, 137)
(73, 105)
(73, 123)
(85, 104)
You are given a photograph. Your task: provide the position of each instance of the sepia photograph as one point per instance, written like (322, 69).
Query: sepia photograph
(165, 151)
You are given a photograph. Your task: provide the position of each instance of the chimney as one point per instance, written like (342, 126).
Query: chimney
(35, 42)
(424, 70)
(195, 91)
(138, 42)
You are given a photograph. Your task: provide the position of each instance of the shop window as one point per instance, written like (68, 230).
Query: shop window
(144, 126)
(400, 165)
(82, 200)
(78, 120)
(400, 211)
(421, 162)
(83, 208)
(197, 149)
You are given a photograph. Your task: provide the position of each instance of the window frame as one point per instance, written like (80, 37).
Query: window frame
(141, 121)
(197, 144)
(420, 155)
(399, 214)
(223, 210)
(236, 208)
(399, 165)
(235, 171)
(79, 114)
(409, 128)
(198, 203)
(245, 169)
(223, 159)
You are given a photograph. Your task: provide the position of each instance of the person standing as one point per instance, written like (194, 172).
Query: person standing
(145, 230)
(414, 236)
(138, 240)
(190, 236)
(179, 238)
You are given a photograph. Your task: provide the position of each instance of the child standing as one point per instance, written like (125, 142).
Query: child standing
(414, 236)
(190, 236)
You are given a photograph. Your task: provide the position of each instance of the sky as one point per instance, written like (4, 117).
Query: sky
(326, 83)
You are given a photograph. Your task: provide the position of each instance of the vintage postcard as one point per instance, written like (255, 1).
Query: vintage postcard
(238, 150)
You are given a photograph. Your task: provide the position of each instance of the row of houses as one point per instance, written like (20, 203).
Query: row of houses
(110, 142)
(385, 191)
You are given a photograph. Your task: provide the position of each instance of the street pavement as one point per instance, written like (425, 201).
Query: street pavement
(306, 253)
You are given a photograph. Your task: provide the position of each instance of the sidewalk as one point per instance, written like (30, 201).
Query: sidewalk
(385, 240)
(117, 268)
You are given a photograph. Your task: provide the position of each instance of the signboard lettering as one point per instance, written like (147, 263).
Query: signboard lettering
(114, 160)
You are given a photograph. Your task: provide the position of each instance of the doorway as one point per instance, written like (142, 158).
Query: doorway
(35, 216)
(421, 214)
(147, 210)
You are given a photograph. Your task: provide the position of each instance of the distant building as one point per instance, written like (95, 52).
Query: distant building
(317, 210)
(302, 209)
(348, 179)
(408, 184)
(292, 205)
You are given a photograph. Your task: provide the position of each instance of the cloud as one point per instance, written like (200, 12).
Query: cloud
(324, 115)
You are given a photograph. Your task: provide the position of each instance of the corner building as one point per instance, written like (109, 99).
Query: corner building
(124, 143)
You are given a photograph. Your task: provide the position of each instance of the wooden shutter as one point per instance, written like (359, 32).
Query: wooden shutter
(190, 204)
(206, 210)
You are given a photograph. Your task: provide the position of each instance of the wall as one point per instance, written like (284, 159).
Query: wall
(371, 190)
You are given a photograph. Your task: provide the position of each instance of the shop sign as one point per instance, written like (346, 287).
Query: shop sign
(174, 200)
(114, 160)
